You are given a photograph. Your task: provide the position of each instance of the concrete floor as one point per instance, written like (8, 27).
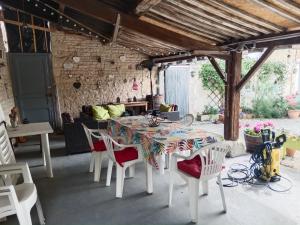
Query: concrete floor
(71, 197)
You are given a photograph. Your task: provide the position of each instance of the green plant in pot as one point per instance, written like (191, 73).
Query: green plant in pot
(252, 134)
(209, 113)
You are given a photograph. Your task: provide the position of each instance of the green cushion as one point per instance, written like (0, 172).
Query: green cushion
(116, 110)
(100, 113)
(165, 108)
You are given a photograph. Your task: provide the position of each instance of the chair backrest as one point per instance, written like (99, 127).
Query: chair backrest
(110, 145)
(6, 152)
(88, 134)
(187, 120)
(212, 158)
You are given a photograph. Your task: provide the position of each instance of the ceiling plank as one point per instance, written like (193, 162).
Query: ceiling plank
(100, 11)
(278, 11)
(245, 15)
(116, 29)
(170, 26)
(233, 19)
(207, 21)
(255, 68)
(289, 5)
(146, 5)
(208, 37)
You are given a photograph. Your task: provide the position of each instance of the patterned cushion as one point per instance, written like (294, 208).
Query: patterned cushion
(125, 155)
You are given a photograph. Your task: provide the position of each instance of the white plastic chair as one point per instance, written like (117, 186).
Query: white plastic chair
(123, 156)
(187, 120)
(19, 199)
(98, 150)
(211, 158)
(16, 199)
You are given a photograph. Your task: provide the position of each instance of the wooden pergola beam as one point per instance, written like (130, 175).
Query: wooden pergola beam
(146, 5)
(102, 12)
(278, 11)
(255, 67)
(218, 69)
(116, 29)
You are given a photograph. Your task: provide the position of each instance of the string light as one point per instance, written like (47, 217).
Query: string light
(74, 25)
(67, 20)
(36, 5)
(52, 13)
(44, 10)
(60, 17)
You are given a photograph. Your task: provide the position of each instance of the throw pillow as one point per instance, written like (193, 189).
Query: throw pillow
(116, 110)
(100, 113)
(165, 108)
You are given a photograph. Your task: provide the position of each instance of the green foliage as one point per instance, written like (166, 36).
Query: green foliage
(246, 109)
(211, 79)
(270, 108)
(210, 110)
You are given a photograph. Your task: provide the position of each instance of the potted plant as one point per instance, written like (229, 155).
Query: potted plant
(209, 113)
(252, 135)
(247, 112)
(293, 107)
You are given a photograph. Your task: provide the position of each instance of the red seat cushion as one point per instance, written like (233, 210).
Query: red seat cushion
(125, 155)
(99, 146)
(191, 167)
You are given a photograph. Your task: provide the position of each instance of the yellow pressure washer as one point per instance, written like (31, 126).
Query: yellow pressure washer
(268, 156)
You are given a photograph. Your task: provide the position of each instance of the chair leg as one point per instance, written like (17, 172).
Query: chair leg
(92, 163)
(222, 193)
(132, 171)
(26, 217)
(109, 171)
(120, 180)
(193, 198)
(97, 168)
(40, 211)
(171, 186)
(205, 187)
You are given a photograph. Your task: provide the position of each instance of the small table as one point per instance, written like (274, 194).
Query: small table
(30, 129)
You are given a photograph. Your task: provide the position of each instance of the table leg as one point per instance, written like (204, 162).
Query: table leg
(162, 163)
(149, 178)
(46, 153)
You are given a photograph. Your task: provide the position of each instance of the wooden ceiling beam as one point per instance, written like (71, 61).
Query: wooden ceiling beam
(11, 4)
(146, 5)
(116, 29)
(284, 38)
(255, 68)
(252, 28)
(278, 11)
(244, 15)
(100, 11)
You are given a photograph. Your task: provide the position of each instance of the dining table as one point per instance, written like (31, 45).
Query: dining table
(156, 142)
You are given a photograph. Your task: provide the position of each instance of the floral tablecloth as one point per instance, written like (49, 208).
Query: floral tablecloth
(166, 138)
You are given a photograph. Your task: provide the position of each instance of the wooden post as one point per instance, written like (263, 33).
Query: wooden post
(232, 97)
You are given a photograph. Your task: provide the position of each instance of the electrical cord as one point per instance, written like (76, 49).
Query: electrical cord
(240, 173)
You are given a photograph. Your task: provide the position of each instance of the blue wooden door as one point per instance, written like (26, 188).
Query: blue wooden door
(32, 84)
(176, 87)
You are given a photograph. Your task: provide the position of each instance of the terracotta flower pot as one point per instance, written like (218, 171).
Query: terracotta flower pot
(290, 152)
(293, 114)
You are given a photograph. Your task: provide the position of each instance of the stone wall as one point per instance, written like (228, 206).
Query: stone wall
(6, 92)
(104, 71)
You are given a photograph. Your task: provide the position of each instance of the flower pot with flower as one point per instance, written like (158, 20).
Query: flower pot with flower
(293, 107)
(252, 135)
